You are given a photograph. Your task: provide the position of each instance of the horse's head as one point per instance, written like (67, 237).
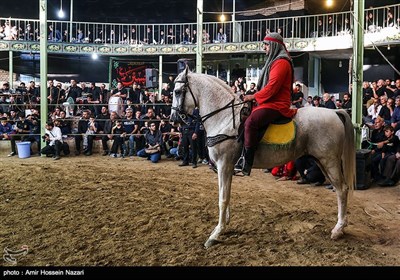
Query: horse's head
(180, 103)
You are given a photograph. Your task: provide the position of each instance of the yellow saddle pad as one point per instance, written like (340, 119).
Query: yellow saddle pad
(280, 134)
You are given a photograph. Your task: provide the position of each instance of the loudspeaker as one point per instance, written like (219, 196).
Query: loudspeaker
(363, 169)
(151, 78)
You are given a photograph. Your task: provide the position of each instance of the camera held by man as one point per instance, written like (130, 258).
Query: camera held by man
(46, 137)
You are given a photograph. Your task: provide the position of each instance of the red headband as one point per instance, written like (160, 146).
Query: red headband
(267, 38)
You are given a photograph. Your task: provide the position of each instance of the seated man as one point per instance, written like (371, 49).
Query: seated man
(153, 144)
(34, 132)
(6, 129)
(309, 171)
(53, 138)
(21, 128)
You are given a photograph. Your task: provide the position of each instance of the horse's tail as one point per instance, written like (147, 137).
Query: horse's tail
(349, 150)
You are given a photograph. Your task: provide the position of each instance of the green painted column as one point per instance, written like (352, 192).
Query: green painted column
(43, 64)
(10, 69)
(199, 48)
(357, 73)
(71, 11)
(234, 35)
(160, 70)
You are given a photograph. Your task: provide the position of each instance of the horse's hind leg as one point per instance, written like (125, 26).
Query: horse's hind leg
(224, 182)
(341, 194)
(333, 170)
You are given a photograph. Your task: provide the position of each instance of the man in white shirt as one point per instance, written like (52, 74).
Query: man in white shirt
(53, 138)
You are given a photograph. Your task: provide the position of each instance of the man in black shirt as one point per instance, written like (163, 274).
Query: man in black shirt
(298, 96)
(189, 132)
(82, 128)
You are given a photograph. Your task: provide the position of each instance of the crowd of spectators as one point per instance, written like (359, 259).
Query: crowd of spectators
(294, 27)
(143, 129)
(138, 125)
(381, 114)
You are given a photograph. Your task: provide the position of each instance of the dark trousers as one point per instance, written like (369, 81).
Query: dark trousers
(386, 163)
(52, 150)
(33, 139)
(104, 140)
(201, 145)
(119, 142)
(258, 120)
(14, 137)
(375, 162)
(189, 146)
(79, 139)
(314, 173)
(140, 142)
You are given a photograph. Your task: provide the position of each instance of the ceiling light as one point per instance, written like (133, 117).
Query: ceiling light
(61, 12)
(222, 17)
(329, 3)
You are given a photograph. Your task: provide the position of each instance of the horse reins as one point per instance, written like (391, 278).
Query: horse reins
(183, 115)
(211, 140)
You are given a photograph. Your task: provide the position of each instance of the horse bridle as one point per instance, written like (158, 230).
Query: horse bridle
(181, 112)
(211, 140)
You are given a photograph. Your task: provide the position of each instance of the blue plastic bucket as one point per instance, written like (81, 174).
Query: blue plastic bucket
(24, 149)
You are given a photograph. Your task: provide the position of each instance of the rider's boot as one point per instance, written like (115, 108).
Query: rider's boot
(248, 160)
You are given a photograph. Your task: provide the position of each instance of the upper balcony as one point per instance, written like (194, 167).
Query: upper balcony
(301, 33)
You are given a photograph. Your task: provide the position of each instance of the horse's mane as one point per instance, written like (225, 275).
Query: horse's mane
(211, 82)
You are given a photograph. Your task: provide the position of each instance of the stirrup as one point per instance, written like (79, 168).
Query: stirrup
(239, 164)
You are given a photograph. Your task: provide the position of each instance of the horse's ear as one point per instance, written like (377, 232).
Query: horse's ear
(186, 70)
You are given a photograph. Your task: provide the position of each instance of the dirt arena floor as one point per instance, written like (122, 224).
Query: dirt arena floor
(100, 211)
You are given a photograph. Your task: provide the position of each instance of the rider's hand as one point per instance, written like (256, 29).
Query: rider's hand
(249, 97)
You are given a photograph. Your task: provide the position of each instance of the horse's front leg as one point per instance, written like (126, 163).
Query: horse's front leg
(224, 181)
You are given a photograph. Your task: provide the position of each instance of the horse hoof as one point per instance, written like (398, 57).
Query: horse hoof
(337, 234)
(211, 242)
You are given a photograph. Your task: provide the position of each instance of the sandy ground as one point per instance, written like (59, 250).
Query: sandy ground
(100, 211)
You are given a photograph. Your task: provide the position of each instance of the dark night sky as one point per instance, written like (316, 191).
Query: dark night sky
(131, 11)
(127, 11)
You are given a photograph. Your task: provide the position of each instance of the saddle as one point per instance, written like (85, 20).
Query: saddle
(280, 132)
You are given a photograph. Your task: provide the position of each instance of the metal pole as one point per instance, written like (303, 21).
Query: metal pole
(10, 69)
(199, 48)
(234, 22)
(71, 13)
(43, 64)
(160, 66)
(358, 61)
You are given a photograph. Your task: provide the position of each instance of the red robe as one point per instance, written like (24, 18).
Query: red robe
(277, 93)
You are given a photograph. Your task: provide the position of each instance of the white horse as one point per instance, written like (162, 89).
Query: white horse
(326, 134)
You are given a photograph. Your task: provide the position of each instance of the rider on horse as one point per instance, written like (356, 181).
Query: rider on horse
(273, 97)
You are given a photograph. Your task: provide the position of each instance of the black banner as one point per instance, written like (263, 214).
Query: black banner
(128, 72)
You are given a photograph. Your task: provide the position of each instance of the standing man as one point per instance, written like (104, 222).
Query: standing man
(252, 89)
(190, 132)
(104, 95)
(21, 128)
(273, 97)
(131, 128)
(298, 96)
(82, 128)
